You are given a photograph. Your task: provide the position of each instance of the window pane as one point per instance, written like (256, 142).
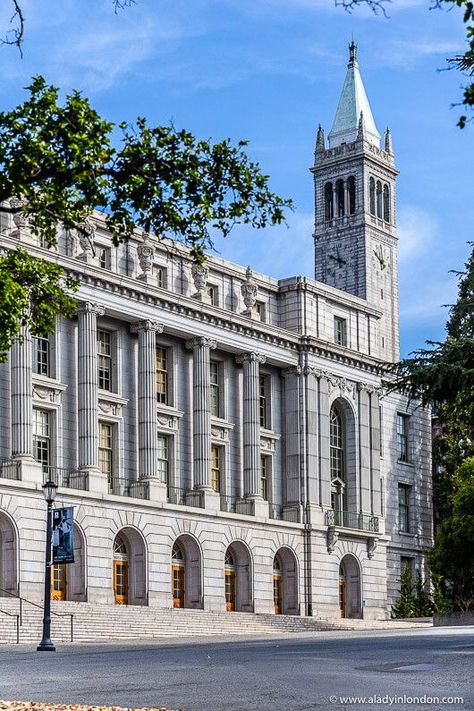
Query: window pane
(41, 356)
(216, 468)
(104, 360)
(163, 458)
(162, 375)
(215, 389)
(41, 437)
(263, 401)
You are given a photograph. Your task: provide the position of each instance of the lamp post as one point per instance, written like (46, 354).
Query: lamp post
(46, 645)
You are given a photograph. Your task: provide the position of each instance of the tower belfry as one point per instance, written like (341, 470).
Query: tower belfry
(354, 187)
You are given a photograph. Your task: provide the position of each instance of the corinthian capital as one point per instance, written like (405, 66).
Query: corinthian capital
(89, 307)
(147, 325)
(251, 357)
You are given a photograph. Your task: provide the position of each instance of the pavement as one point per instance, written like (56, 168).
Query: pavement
(403, 670)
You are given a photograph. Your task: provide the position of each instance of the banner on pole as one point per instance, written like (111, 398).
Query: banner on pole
(63, 542)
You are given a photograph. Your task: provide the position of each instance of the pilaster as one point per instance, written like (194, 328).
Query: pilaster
(251, 424)
(22, 399)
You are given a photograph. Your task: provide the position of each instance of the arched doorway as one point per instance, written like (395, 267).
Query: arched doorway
(8, 557)
(238, 578)
(186, 573)
(285, 583)
(350, 588)
(129, 568)
(68, 582)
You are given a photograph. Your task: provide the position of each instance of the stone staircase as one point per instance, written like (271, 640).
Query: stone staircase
(104, 623)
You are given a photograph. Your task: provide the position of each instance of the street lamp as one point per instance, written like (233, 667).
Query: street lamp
(46, 645)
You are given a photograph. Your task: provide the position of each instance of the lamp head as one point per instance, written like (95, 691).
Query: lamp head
(49, 491)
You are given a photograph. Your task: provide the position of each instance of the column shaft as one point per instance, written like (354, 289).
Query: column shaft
(88, 386)
(201, 411)
(251, 425)
(22, 400)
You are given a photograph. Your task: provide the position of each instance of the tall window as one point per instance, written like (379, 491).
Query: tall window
(215, 389)
(336, 445)
(402, 437)
(41, 356)
(162, 375)
(351, 194)
(328, 202)
(163, 459)
(261, 311)
(386, 203)
(104, 362)
(336, 457)
(213, 292)
(372, 196)
(379, 199)
(265, 467)
(216, 464)
(106, 449)
(340, 197)
(105, 257)
(340, 331)
(42, 436)
(264, 400)
(404, 492)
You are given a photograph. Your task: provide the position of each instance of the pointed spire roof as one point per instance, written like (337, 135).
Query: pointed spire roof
(352, 103)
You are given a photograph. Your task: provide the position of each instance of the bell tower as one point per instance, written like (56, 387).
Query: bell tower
(354, 192)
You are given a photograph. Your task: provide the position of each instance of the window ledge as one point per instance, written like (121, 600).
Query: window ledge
(269, 434)
(108, 396)
(405, 464)
(168, 410)
(221, 422)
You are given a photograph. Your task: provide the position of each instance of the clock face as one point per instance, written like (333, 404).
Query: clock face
(339, 265)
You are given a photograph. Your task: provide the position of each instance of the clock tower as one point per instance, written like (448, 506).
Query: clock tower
(354, 189)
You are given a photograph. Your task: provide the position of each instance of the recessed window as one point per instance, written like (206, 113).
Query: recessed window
(351, 194)
(104, 359)
(106, 450)
(328, 202)
(406, 563)
(104, 255)
(163, 458)
(161, 277)
(162, 375)
(41, 356)
(372, 196)
(216, 464)
(404, 492)
(402, 437)
(213, 292)
(215, 392)
(42, 436)
(261, 311)
(264, 401)
(340, 331)
(340, 198)
(265, 470)
(379, 199)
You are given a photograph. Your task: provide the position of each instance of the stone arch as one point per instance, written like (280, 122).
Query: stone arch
(328, 202)
(345, 410)
(8, 556)
(238, 572)
(190, 560)
(76, 572)
(130, 549)
(350, 587)
(286, 563)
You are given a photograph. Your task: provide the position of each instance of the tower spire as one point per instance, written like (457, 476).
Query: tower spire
(352, 102)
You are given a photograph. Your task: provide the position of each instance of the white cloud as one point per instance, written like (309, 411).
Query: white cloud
(416, 229)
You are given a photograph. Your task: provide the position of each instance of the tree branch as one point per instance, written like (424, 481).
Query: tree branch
(15, 35)
(377, 6)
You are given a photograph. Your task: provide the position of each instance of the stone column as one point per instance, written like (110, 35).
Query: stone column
(251, 425)
(365, 453)
(88, 395)
(22, 400)
(202, 347)
(147, 422)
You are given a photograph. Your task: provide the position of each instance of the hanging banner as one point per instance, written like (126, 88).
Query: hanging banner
(63, 543)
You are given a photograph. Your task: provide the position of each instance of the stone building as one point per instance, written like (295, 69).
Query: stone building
(223, 435)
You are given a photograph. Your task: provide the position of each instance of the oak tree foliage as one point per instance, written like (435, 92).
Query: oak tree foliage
(60, 161)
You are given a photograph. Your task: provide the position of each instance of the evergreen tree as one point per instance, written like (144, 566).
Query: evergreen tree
(405, 605)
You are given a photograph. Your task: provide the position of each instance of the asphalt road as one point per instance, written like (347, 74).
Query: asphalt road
(292, 673)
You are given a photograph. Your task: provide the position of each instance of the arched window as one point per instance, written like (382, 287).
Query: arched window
(336, 445)
(379, 199)
(386, 203)
(351, 194)
(328, 202)
(340, 197)
(229, 561)
(120, 549)
(372, 196)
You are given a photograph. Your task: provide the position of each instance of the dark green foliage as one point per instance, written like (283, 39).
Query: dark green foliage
(452, 558)
(32, 294)
(405, 605)
(61, 161)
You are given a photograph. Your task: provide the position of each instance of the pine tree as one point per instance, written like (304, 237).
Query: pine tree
(405, 605)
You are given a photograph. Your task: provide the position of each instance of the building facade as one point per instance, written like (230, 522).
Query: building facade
(224, 436)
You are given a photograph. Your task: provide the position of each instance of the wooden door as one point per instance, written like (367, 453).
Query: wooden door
(229, 590)
(277, 595)
(58, 582)
(121, 582)
(178, 585)
(342, 597)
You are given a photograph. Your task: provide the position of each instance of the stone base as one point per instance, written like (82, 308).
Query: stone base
(202, 296)
(31, 471)
(97, 481)
(156, 490)
(260, 507)
(211, 500)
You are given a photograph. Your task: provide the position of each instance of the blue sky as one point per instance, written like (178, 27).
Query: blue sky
(270, 71)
